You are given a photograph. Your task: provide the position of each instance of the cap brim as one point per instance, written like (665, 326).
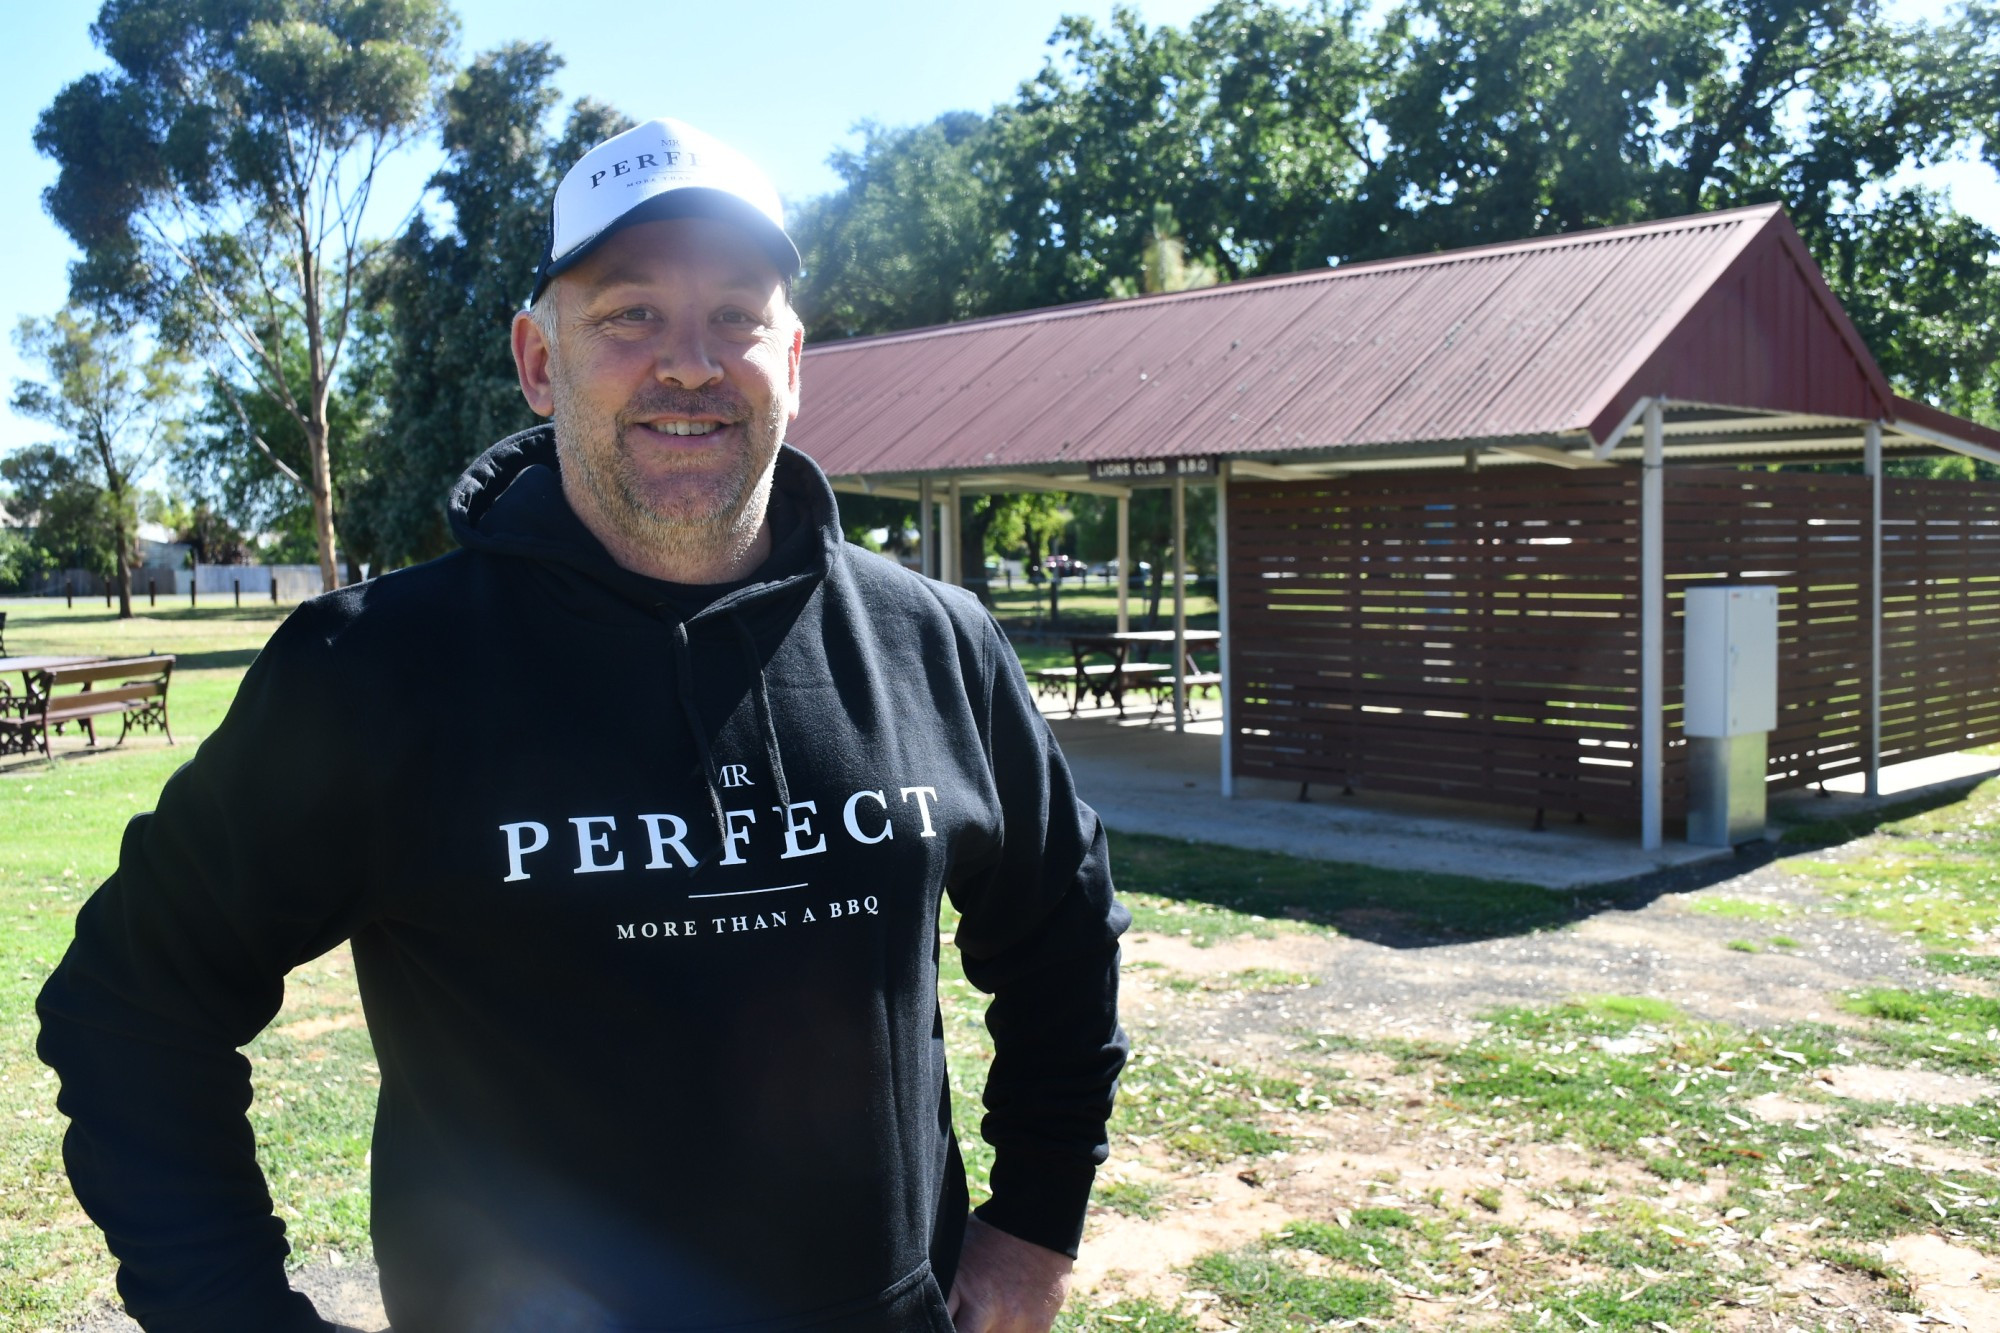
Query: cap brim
(692, 201)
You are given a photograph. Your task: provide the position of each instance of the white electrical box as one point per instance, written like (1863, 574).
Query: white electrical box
(1731, 655)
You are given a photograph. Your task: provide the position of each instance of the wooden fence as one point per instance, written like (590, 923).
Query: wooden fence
(1940, 617)
(1464, 635)
(1807, 533)
(1476, 635)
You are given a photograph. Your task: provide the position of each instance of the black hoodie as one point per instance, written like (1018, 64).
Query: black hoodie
(644, 914)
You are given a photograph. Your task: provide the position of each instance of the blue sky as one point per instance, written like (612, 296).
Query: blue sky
(787, 88)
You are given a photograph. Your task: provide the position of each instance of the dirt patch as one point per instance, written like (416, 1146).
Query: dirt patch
(1903, 1147)
(1813, 1290)
(1222, 958)
(1925, 1087)
(1652, 943)
(346, 1293)
(1954, 1284)
(1775, 1108)
(1142, 1256)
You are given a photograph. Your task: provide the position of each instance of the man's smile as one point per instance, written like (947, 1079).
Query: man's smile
(680, 427)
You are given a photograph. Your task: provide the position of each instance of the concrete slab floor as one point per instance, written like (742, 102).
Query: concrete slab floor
(1143, 777)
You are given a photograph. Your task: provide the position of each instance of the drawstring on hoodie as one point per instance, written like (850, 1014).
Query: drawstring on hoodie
(684, 686)
(760, 697)
(763, 701)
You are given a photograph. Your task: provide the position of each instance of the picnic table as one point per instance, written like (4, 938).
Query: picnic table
(1121, 673)
(136, 693)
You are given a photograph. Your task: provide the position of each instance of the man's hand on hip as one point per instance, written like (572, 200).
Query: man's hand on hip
(1006, 1284)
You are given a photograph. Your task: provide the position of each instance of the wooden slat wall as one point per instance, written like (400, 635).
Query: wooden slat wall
(1941, 617)
(1808, 534)
(1475, 635)
(1463, 635)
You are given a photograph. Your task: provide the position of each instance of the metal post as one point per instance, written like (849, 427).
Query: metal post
(1124, 561)
(1872, 446)
(954, 558)
(69, 593)
(1180, 603)
(926, 523)
(194, 577)
(239, 590)
(1652, 626)
(1222, 623)
(152, 593)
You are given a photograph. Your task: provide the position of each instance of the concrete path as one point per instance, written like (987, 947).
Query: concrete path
(1142, 777)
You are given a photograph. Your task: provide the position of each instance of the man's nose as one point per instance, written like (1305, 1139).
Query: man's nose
(686, 357)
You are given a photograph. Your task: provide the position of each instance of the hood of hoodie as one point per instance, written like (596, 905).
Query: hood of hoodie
(510, 502)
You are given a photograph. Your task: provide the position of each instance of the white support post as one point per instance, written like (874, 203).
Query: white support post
(1652, 626)
(954, 558)
(1222, 623)
(927, 528)
(1180, 603)
(1872, 445)
(1124, 561)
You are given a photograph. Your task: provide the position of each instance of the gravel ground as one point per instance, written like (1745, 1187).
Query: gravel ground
(1640, 938)
(1644, 938)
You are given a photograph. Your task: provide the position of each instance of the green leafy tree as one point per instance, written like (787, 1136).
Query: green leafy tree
(1271, 138)
(1164, 265)
(218, 179)
(447, 295)
(54, 497)
(244, 447)
(114, 408)
(908, 239)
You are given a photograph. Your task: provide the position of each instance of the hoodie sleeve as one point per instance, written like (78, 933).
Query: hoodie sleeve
(179, 958)
(1039, 930)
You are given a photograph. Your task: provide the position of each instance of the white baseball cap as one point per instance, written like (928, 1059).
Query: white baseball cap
(664, 168)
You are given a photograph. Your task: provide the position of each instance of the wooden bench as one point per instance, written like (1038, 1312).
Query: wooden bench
(1163, 688)
(1100, 679)
(61, 695)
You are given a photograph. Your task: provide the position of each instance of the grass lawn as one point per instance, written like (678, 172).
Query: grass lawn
(62, 826)
(1687, 1208)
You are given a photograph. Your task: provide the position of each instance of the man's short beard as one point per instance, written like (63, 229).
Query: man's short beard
(726, 518)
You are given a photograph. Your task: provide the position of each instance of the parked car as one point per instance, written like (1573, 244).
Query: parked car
(1064, 566)
(1142, 573)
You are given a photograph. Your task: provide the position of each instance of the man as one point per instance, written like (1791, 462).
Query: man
(637, 812)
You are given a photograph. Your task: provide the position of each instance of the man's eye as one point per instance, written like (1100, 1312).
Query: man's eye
(635, 315)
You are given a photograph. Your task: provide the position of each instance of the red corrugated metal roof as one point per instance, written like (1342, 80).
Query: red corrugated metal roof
(1527, 340)
(1944, 423)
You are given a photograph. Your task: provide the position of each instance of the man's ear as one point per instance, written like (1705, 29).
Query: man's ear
(532, 355)
(793, 357)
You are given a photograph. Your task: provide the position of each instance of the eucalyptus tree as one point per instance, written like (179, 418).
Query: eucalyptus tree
(114, 407)
(218, 180)
(451, 283)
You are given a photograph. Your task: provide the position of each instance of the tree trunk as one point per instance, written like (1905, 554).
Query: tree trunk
(121, 561)
(972, 553)
(319, 388)
(1153, 600)
(124, 563)
(322, 499)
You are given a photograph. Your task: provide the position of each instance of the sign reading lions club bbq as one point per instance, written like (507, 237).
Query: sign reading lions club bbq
(1153, 471)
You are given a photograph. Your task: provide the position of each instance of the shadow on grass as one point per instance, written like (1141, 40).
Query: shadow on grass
(1807, 832)
(222, 659)
(1399, 909)
(179, 612)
